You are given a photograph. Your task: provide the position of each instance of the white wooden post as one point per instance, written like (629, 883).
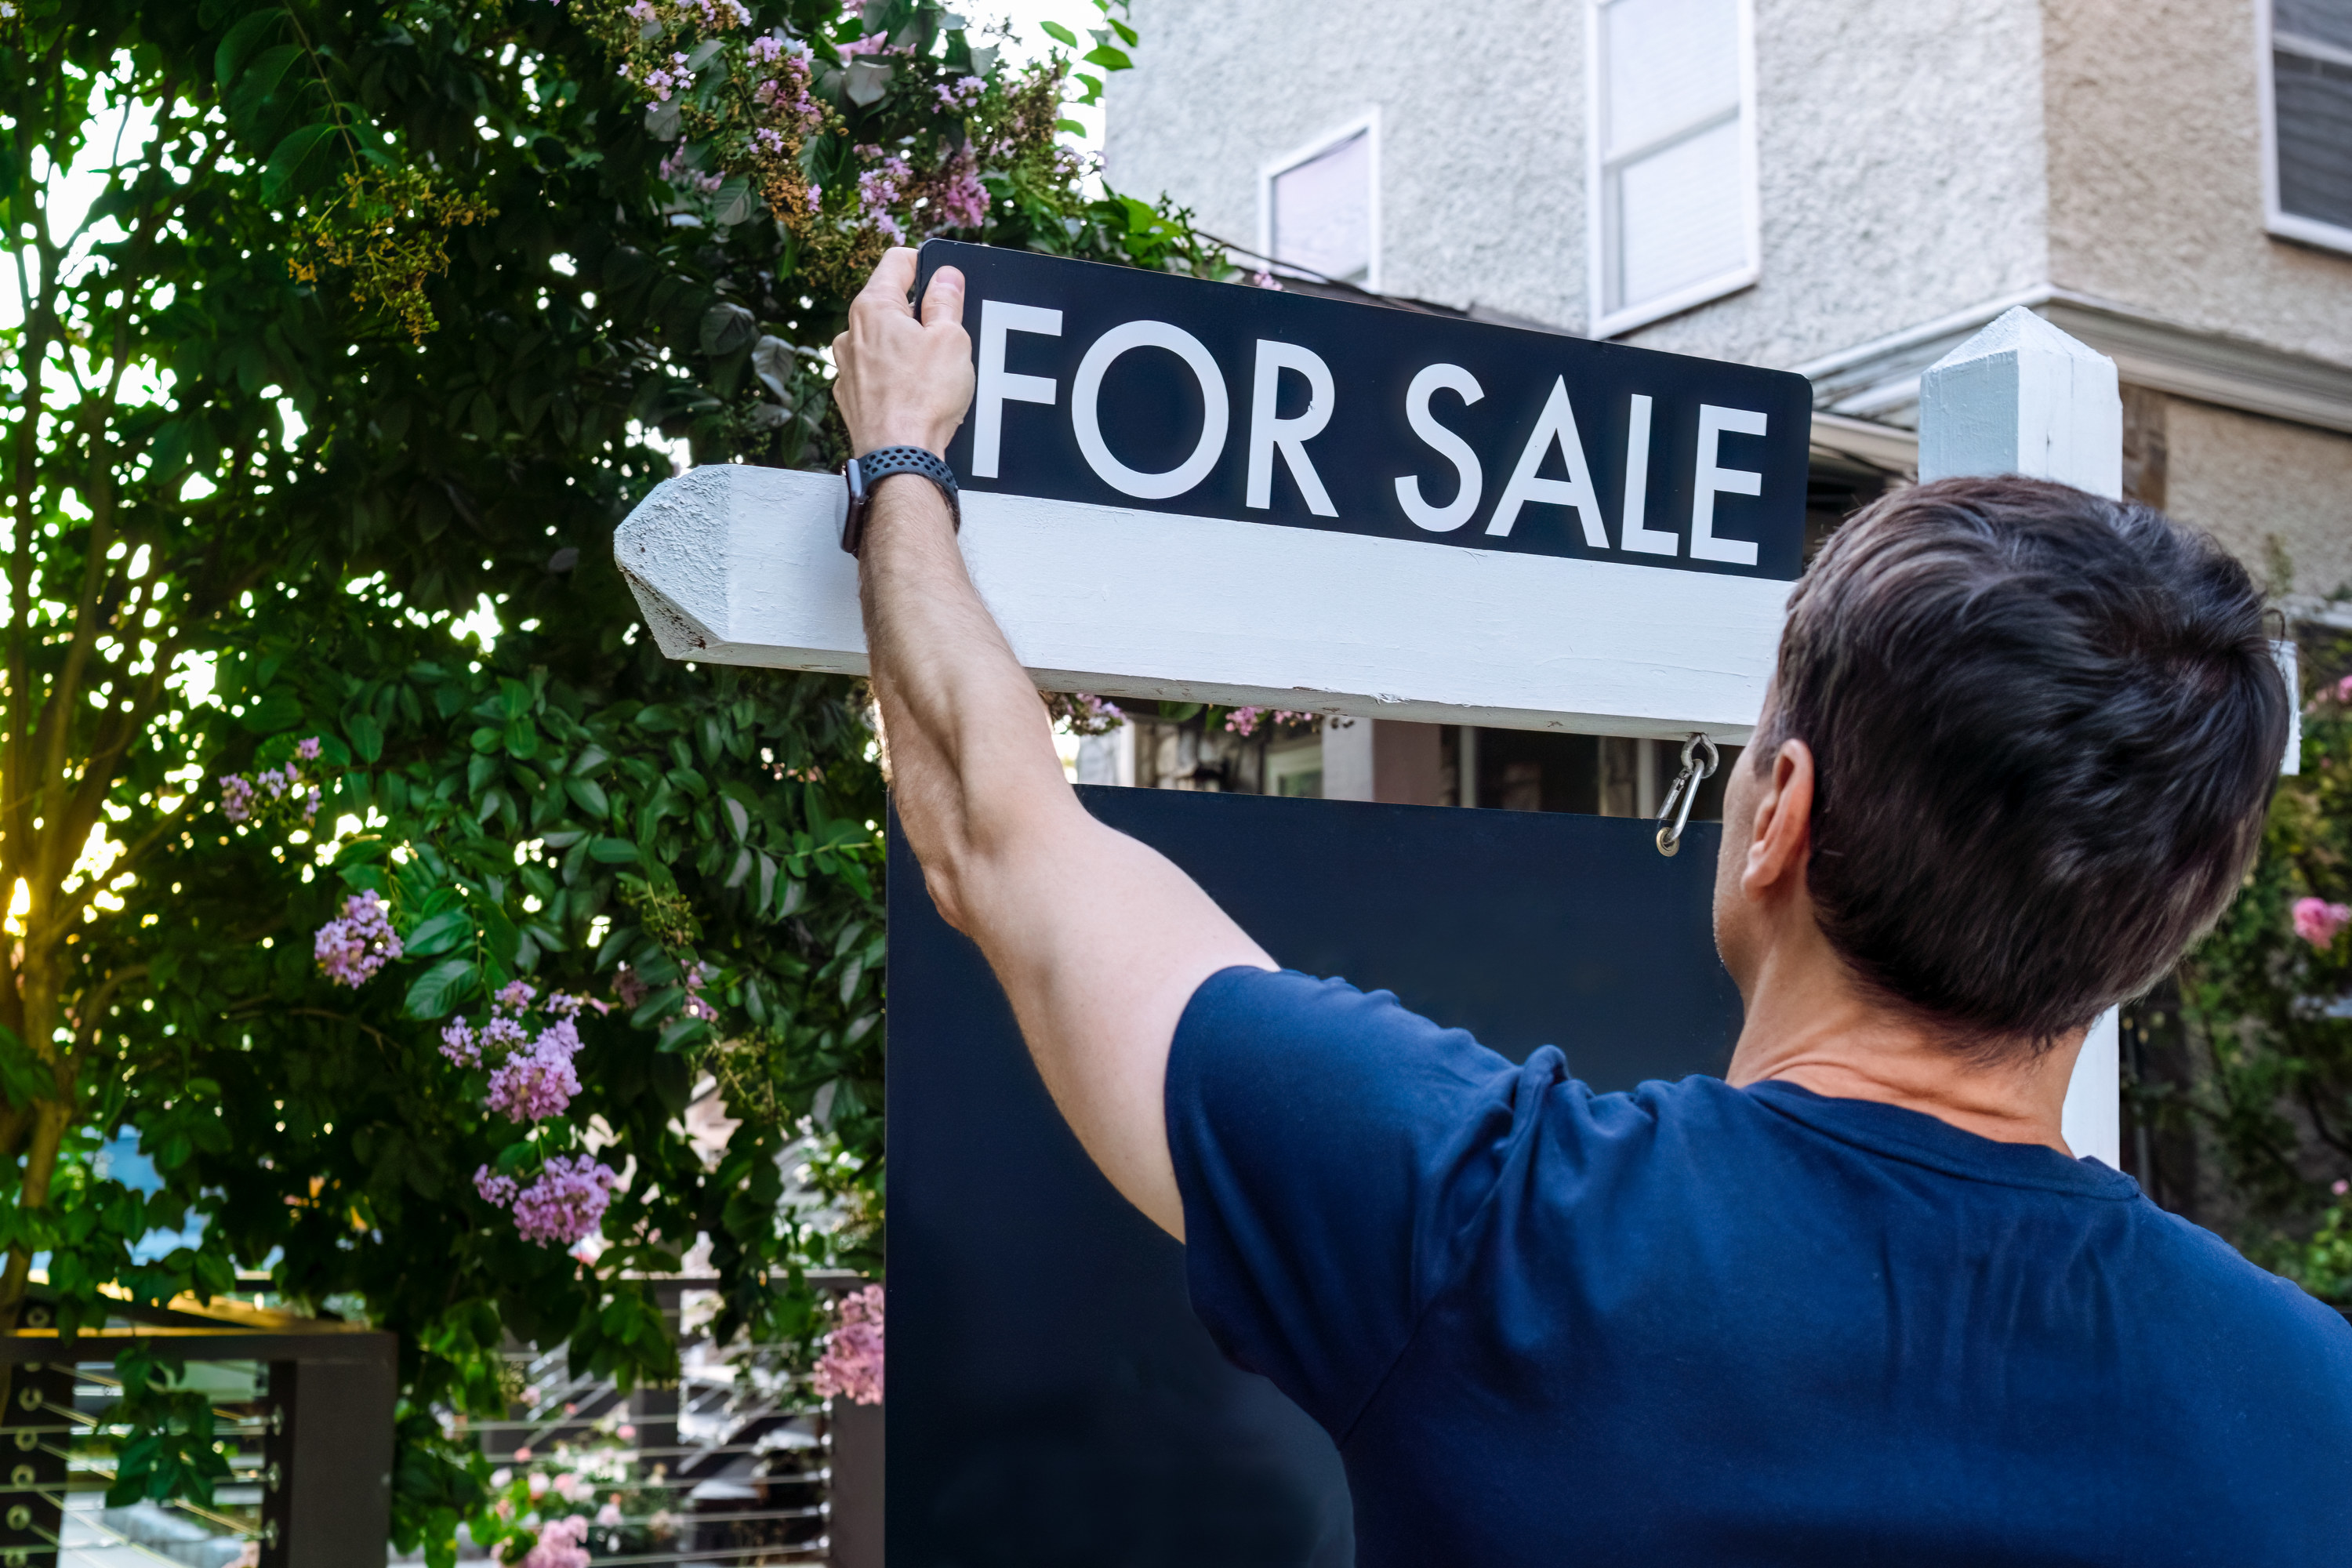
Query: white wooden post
(2022, 397)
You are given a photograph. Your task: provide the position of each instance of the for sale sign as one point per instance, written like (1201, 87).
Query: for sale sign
(1198, 491)
(1120, 388)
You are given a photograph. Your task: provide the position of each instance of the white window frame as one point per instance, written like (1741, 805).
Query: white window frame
(1607, 323)
(1368, 125)
(2277, 219)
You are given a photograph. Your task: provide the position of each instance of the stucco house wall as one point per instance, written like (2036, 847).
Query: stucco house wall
(1921, 163)
(1482, 115)
(1886, 128)
(2156, 176)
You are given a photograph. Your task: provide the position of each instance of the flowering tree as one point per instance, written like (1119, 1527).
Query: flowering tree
(2268, 998)
(401, 955)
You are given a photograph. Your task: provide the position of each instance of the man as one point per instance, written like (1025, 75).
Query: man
(1854, 1302)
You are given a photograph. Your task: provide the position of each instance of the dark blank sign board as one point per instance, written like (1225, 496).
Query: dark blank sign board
(1054, 1403)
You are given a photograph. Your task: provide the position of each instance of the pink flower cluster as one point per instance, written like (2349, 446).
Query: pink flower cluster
(562, 1543)
(851, 1366)
(353, 946)
(2316, 921)
(961, 201)
(1245, 720)
(563, 1204)
(720, 13)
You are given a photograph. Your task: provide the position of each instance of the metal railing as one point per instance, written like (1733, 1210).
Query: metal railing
(302, 1408)
(728, 1470)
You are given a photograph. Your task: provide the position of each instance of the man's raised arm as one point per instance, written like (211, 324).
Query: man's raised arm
(1098, 941)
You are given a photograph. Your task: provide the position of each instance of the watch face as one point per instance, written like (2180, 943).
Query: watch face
(856, 474)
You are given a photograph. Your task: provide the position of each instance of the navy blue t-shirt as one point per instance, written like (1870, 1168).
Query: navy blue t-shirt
(1707, 1325)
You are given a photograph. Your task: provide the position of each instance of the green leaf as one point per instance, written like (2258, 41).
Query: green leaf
(439, 934)
(288, 160)
(612, 851)
(1059, 33)
(440, 988)
(273, 712)
(366, 737)
(261, 77)
(521, 737)
(588, 795)
(591, 758)
(1072, 127)
(242, 40)
(1109, 58)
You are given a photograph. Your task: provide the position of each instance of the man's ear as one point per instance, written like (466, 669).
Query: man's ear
(1781, 841)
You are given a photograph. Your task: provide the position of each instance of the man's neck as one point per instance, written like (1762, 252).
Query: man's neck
(1811, 1025)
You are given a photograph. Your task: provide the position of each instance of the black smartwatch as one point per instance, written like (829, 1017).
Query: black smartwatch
(864, 473)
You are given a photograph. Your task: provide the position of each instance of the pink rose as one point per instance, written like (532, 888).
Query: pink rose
(2316, 921)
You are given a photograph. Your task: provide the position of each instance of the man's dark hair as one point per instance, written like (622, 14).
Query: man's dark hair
(2045, 728)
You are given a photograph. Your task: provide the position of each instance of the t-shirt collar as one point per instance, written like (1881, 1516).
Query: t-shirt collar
(1924, 1140)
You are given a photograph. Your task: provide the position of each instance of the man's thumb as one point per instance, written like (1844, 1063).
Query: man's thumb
(943, 300)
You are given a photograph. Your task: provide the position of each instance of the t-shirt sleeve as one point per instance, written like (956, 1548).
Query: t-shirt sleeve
(1334, 1153)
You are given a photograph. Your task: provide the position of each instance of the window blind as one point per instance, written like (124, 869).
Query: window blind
(1322, 211)
(1670, 132)
(2311, 98)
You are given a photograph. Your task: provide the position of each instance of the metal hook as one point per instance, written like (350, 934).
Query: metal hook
(1674, 815)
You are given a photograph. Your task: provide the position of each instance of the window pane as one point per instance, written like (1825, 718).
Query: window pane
(2314, 137)
(1680, 220)
(1669, 65)
(1323, 212)
(2328, 21)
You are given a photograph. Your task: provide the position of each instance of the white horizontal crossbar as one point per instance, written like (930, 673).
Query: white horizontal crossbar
(743, 566)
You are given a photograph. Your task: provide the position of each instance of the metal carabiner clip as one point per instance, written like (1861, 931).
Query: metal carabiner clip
(1674, 815)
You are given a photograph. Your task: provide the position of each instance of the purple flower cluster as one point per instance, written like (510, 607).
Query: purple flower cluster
(878, 191)
(661, 80)
(851, 1366)
(353, 946)
(720, 13)
(564, 1203)
(696, 1008)
(539, 1081)
(238, 793)
(963, 94)
(532, 1077)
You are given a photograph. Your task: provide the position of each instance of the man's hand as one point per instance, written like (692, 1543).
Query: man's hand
(902, 382)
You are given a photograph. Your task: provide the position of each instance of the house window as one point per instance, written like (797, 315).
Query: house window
(2307, 63)
(1320, 207)
(1296, 769)
(1672, 156)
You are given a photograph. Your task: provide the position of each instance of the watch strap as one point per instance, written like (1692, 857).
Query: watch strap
(864, 472)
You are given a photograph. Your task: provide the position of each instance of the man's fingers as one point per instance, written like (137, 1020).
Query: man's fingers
(892, 282)
(943, 300)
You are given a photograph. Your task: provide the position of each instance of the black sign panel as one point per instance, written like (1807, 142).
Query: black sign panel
(1053, 1403)
(1137, 389)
